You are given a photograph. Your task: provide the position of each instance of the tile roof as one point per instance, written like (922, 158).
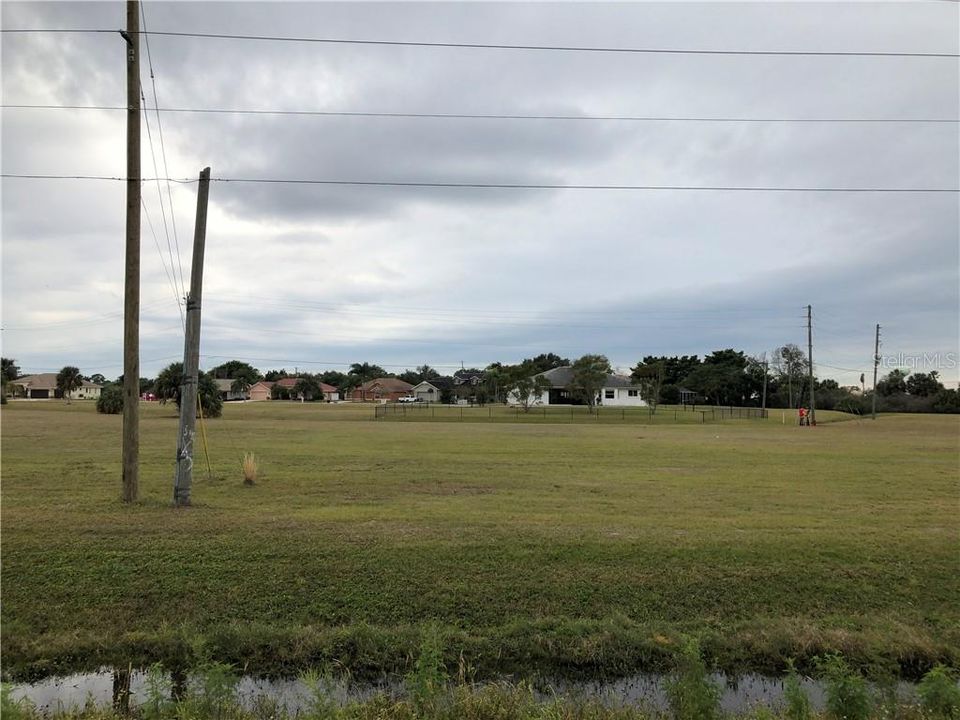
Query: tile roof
(388, 384)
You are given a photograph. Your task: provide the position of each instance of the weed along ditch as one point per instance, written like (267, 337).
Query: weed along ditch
(650, 694)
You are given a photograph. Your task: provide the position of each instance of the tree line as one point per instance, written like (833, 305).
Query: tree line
(724, 377)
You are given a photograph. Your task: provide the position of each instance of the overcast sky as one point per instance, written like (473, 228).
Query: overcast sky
(319, 276)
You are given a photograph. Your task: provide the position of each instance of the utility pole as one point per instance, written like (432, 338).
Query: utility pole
(191, 352)
(813, 405)
(131, 277)
(876, 363)
(763, 403)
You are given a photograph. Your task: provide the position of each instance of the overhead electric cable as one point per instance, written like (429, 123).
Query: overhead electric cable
(488, 116)
(503, 186)
(163, 150)
(163, 212)
(506, 46)
(170, 280)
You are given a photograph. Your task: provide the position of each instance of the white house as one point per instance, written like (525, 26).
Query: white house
(425, 392)
(43, 386)
(225, 385)
(617, 391)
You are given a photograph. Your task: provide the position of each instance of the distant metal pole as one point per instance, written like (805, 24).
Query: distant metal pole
(131, 280)
(191, 352)
(813, 404)
(763, 402)
(876, 364)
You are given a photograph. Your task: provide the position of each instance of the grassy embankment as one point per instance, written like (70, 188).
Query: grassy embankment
(547, 548)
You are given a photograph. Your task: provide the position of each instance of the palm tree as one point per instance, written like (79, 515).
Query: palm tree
(365, 372)
(240, 385)
(68, 380)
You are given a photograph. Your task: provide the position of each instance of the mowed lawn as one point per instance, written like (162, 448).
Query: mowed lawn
(527, 546)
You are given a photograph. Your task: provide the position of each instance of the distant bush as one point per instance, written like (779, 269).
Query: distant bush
(110, 401)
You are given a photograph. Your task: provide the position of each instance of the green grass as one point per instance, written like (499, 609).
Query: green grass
(555, 548)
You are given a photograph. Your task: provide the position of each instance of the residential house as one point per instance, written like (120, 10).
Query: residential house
(381, 390)
(43, 386)
(225, 386)
(330, 393)
(468, 385)
(617, 390)
(260, 390)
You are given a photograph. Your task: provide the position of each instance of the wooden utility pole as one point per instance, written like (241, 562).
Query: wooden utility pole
(813, 403)
(763, 402)
(191, 352)
(131, 288)
(876, 364)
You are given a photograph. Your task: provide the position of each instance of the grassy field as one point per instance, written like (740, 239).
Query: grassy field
(554, 548)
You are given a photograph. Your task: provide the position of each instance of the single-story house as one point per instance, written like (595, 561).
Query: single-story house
(330, 393)
(389, 389)
(43, 386)
(225, 385)
(426, 392)
(617, 390)
(260, 390)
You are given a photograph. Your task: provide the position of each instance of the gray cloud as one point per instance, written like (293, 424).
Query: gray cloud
(398, 276)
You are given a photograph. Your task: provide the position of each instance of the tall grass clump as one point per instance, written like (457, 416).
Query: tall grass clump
(11, 709)
(321, 704)
(250, 468)
(848, 697)
(429, 677)
(159, 688)
(212, 695)
(940, 694)
(690, 691)
(797, 704)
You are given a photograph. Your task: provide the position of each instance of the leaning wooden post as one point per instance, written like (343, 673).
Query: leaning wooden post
(191, 353)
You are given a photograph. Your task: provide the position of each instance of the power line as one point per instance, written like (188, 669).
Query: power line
(163, 150)
(503, 186)
(504, 46)
(170, 280)
(489, 116)
(163, 212)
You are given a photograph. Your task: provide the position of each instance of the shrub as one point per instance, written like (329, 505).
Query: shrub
(691, 693)
(110, 401)
(795, 697)
(848, 697)
(939, 694)
(429, 676)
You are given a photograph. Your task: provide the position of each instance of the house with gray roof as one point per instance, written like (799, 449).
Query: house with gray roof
(617, 391)
(43, 386)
